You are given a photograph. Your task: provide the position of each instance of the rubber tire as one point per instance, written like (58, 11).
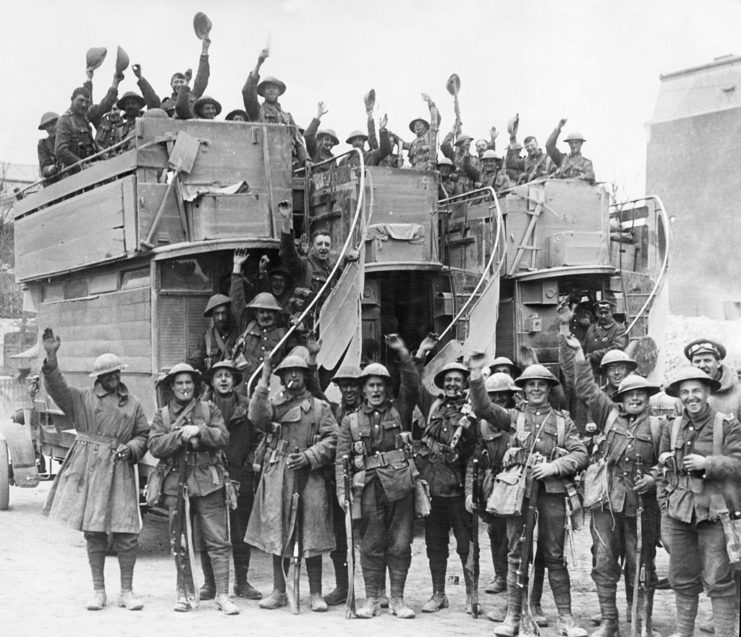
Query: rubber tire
(4, 476)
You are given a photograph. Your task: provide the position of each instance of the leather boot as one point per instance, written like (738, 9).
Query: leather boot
(226, 605)
(98, 600)
(208, 590)
(438, 601)
(276, 599)
(245, 590)
(608, 628)
(686, 613)
(511, 623)
(129, 602)
(567, 627)
(317, 603)
(372, 607)
(496, 585)
(397, 606)
(725, 616)
(339, 594)
(538, 615)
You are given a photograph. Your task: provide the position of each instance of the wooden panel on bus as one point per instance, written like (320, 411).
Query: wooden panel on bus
(117, 322)
(74, 233)
(223, 216)
(180, 325)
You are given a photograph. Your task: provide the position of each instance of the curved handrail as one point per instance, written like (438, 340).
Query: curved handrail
(340, 258)
(489, 264)
(664, 270)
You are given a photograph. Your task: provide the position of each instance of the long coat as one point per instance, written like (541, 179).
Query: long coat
(305, 423)
(93, 491)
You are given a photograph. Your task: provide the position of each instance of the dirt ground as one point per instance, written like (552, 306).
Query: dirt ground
(45, 582)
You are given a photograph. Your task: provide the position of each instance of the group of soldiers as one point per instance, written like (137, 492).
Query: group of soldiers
(282, 472)
(87, 132)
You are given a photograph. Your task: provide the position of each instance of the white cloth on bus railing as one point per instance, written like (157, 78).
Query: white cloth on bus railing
(191, 192)
(411, 232)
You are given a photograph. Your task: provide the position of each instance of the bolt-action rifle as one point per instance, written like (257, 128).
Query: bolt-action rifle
(528, 549)
(347, 479)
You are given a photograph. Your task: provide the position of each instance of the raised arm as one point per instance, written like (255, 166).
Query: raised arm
(64, 395)
(249, 90)
(550, 145)
(409, 389)
(204, 69)
(151, 99)
(96, 111)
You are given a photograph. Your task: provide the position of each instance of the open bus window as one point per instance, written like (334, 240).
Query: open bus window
(192, 274)
(135, 278)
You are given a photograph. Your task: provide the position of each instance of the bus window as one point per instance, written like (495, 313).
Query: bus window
(135, 278)
(192, 274)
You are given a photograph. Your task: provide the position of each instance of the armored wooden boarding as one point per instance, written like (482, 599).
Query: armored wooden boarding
(83, 256)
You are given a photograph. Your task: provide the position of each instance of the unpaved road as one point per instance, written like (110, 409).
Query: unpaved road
(45, 582)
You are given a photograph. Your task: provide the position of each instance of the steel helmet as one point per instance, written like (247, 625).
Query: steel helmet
(374, 369)
(201, 25)
(617, 356)
(156, 113)
(634, 381)
(237, 111)
(95, 56)
(704, 346)
(503, 360)
(265, 301)
(500, 382)
(129, 96)
(536, 372)
(489, 154)
(292, 361)
(418, 119)
(47, 118)
(574, 136)
(225, 364)
(270, 80)
(202, 101)
(347, 373)
(105, 364)
(450, 367)
(463, 138)
(181, 368)
(354, 134)
(444, 161)
(122, 60)
(214, 302)
(690, 372)
(328, 132)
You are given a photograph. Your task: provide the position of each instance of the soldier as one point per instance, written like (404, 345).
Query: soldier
(74, 141)
(302, 439)
(491, 445)
(571, 166)
(95, 490)
(459, 153)
(347, 380)
(375, 155)
(319, 143)
(270, 111)
(535, 165)
(119, 122)
(628, 434)
(45, 148)
(179, 80)
(377, 439)
(218, 341)
(237, 115)
(491, 173)
(423, 149)
(243, 439)
(448, 186)
(701, 461)
(604, 335)
(441, 460)
(188, 437)
(708, 355)
(206, 107)
(504, 365)
(564, 456)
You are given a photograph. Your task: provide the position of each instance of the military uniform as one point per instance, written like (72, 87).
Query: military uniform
(47, 159)
(199, 87)
(308, 272)
(539, 166)
(213, 347)
(483, 178)
(383, 484)
(205, 478)
(570, 166)
(601, 339)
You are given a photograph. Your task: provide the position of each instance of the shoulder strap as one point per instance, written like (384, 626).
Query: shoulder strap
(611, 420)
(655, 423)
(165, 413)
(560, 430)
(354, 426)
(433, 408)
(718, 433)
(209, 343)
(675, 430)
(520, 427)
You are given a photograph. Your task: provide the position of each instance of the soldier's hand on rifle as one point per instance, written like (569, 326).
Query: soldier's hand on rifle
(544, 470)
(188, 432)
(51, 342)
(240, 256)
(137, 69)
(645, 484)
(285, 210)
(321, 110)
(694, 462)
(123, 452)
(298, 460)
(343, 503)
(469, 503)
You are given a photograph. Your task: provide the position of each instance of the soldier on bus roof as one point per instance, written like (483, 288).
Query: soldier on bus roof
(421, 150)
(45, 147)
(358, 138)
(182, 79)
(535, 165)
(574, 165)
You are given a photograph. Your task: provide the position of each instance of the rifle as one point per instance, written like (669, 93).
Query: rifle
(347, 479)
(639, 582)
(294, 532)
(181, 538)
(474, 550)
(528, 541)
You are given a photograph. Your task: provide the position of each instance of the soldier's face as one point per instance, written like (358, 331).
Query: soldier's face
(420, 128)
(537, 392)
(294, 380)
(80, 105)
(271, 92)
(575, 146)
(221, 316)
(490, 165)
(176, 82)
(453, 384)
(481, 147)
(694, 395)
(51, 129)
(531, 147)
(616, 372)
(502, 369)
(604, 315)
(223, 382)
(445, 170)
(238, 117)
(265, 318)
(374, 390)
(208, 111)
(707, 363)
(110, 381)
(326, 143)
(635, 401)
(278, 284)
(501, 398)
(321, 246)
(183, 387)
(350, 393)
(357, 142)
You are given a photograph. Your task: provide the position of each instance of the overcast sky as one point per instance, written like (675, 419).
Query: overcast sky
(596, 62)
